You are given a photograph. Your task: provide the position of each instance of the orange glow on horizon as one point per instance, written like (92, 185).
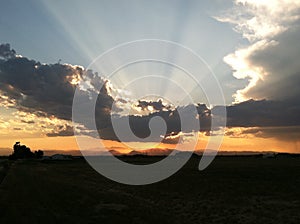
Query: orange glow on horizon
(238, 144)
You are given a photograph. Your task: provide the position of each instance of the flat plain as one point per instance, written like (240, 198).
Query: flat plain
(230, 190)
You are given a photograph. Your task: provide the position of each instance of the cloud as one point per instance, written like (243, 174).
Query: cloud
(283, 69)
(32, 126)
(262, 113)
(270, 61)
(176, 138)
(43, 96)
(139, 125)
(262, 19)
(6, 52)
(153, 105)
(62, 130)
(28, 122)
(47, 89)
(287, 133)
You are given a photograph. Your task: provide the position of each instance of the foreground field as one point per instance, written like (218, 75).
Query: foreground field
(231, 190)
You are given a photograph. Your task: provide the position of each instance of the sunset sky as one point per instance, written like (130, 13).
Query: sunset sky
(252, 47)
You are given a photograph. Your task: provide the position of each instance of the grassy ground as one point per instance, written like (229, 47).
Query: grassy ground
(232, 190)
(4, 167)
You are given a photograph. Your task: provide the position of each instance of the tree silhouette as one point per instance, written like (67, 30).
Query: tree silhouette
(24, 152)
(38, 154)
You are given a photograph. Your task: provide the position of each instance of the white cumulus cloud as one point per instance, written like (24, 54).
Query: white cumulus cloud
(272, 31)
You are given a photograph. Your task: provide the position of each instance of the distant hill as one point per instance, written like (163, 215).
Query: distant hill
(65, 152)
(151, 152)
(145, 152)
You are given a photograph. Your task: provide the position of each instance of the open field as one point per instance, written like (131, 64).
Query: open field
(231, 190)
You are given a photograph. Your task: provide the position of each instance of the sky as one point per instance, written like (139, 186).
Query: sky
(250, 46)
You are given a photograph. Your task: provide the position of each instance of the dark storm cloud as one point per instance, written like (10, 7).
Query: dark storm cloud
(263, 113)
(157, 105)
(140, 124)
(39, 87)
(281, 62)
(6, 52)
(265, 119)
(45, 89)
